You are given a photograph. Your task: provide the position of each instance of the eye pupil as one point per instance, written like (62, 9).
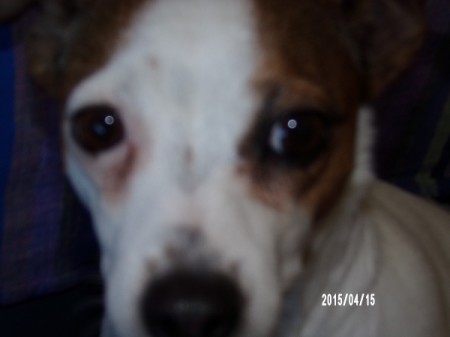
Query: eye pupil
(97, 128)
(102, 127)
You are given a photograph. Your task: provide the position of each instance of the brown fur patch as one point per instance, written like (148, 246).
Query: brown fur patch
(309, 63)
(332, 57)
(73, 38)
(304, 40)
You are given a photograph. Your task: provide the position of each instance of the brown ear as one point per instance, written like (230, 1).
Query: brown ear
(73, 38)
(49, 42)
(387, 34)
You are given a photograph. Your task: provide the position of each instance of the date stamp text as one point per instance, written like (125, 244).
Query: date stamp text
(348, 299)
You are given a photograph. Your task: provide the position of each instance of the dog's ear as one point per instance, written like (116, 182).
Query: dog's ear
(73, 38)
(386, 33)
(50, 40)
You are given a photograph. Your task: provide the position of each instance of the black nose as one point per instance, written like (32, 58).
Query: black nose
(185, 304)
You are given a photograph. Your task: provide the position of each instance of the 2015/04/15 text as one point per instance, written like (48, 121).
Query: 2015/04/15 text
(341, 300)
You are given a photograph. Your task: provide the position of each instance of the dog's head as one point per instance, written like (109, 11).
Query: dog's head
(208, 138)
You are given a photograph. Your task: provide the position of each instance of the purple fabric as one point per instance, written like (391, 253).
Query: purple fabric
(47, 241)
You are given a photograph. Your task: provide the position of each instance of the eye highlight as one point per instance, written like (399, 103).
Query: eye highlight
(97, 128)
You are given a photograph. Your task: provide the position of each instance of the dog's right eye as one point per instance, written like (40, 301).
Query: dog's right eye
(97, 128)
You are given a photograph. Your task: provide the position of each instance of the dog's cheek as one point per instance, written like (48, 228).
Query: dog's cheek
(280, 265)
(293, 243)
(91, 186)
(122, 296)
(276, 194)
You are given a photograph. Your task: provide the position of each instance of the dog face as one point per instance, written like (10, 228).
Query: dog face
(208, 139)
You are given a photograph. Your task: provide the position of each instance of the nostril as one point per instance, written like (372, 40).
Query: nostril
(185, 304)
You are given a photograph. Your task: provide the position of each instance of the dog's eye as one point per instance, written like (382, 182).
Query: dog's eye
(299, 136)
(97, 128)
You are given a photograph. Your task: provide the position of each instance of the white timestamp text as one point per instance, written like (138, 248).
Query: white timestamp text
(348, 299)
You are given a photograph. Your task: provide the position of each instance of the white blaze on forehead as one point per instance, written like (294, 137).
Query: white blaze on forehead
(183, 72)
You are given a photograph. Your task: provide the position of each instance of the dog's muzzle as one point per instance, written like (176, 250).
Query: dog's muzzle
(192, 304)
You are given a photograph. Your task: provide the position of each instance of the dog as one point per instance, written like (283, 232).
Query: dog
(223, 149)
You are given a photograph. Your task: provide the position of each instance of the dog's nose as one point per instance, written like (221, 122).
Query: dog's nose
(185, 304)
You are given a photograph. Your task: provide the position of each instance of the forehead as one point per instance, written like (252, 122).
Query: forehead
(180, 48)
(286, 39)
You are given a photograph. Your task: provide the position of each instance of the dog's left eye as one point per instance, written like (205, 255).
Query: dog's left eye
(299, 136)
(97, 128)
